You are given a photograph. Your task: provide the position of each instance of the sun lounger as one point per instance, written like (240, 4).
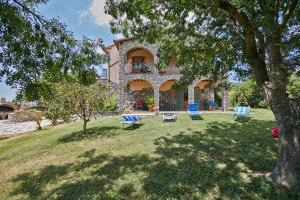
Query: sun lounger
(131, 119)
(169, 117)
(241, 111)
(193, 110)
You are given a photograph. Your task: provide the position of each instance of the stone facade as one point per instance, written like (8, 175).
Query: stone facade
(155, 78)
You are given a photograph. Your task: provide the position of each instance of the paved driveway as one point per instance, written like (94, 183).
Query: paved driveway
(7, 127)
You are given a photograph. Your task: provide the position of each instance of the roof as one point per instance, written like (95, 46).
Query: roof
(106, 49)
(124, 39)
(117, 43)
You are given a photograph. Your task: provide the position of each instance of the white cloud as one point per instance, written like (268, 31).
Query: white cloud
(96, 11)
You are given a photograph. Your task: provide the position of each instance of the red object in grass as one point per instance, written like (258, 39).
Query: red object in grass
(275, 132)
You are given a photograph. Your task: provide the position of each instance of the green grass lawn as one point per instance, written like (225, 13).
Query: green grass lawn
(212, 158)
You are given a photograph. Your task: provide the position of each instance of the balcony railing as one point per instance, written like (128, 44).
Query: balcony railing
(137, 69)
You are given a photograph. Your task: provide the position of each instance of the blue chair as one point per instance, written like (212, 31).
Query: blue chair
(212, 104)
(131, 119)
(241, 111)
(193, 110)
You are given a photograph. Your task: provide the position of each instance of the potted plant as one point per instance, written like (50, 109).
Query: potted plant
(150, 101)
(161, 67)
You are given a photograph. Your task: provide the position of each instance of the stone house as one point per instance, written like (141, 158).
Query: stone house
(132, 68)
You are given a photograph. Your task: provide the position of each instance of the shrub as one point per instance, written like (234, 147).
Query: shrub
(293, 87)
(150, 101)
(112, 103)
(263, 104)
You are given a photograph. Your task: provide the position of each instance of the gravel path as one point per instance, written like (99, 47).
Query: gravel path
(7, 127)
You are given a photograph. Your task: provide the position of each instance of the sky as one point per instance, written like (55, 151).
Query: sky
(83, 18)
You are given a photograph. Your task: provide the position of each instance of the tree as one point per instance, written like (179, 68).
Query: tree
(212, 37)
(75, 99)
(294, 86)
(248, 90)
(35, 50)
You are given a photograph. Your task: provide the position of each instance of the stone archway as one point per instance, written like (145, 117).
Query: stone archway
(203, 93)
(137, 91)
(172, 99)
(139, 60)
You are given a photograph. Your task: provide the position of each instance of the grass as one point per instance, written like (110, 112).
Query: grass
(212, 158)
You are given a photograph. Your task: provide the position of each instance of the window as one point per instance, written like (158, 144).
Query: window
(138, 61)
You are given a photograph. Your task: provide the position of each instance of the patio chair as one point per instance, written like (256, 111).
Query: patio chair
(131, 120)
(212, 105)
(241, 111)
(169, 117)
(193, 110)
(139, 104)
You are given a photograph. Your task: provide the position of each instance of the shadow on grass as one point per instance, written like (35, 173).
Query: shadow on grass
(132, 127)
(105, 131)
(225, 161)
(196, 117)
(4, 137)
(242, 119)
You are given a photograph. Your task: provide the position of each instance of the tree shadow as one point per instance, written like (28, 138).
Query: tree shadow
(224, 161)
(229, 159)
(133, 127)
(103, 173)
(242, 119)
(33, 184)
(196, 117)
(104, 131)
(4, 137)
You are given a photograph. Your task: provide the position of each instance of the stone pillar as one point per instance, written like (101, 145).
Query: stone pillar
(225, 100)
(191, 91)
(122, 81)
(156, 97)
(121, 97)
(211, 95)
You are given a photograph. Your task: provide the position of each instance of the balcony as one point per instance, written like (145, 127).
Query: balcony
(139, 61)
(141, 68)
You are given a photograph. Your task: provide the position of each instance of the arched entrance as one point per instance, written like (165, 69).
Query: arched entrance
(139, 60)
(137, 92)
(172, 99)
(204, 94)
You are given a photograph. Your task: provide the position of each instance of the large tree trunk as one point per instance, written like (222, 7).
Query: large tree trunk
(271, 76)
(287, 169)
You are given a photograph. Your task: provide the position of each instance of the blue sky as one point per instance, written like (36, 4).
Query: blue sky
(83, 18)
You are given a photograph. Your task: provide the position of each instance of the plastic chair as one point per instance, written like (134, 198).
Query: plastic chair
(193, 110)
(139, 104)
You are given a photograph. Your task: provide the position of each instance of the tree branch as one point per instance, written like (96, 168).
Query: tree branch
(41, 20)
(254, 57)
(288, 14)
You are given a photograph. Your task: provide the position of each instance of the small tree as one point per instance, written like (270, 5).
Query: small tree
(249, 90)
(74, 99)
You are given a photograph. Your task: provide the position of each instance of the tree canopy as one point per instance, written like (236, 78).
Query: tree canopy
(34, 49)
